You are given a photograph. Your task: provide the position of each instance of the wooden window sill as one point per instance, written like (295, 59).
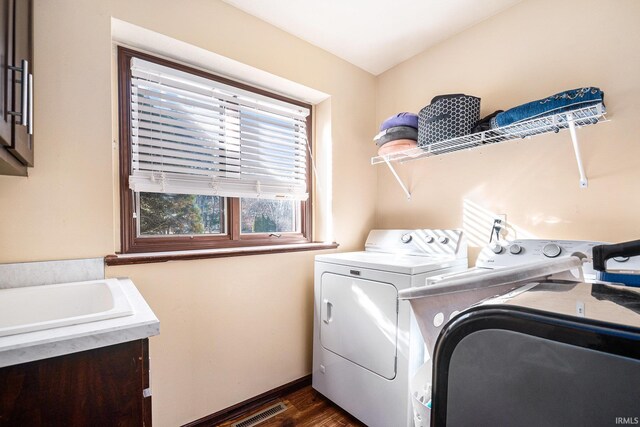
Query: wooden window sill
(151, 257)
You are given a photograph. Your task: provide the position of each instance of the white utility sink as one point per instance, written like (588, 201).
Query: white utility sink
(34, 308)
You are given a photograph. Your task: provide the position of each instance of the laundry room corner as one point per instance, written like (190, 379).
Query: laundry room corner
(533, 181)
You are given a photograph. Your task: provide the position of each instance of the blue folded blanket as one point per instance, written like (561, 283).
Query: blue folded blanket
(558, 103)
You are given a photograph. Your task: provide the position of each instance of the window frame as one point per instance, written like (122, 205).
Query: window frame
(130, 242)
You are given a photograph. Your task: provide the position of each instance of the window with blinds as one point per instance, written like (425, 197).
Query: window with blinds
(193, 135)
(206, 162)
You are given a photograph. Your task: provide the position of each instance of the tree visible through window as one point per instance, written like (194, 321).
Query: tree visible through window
(168, 214)
(269, 216)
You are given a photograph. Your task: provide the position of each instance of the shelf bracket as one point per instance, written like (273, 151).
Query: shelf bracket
(584, 183)
(395, 174)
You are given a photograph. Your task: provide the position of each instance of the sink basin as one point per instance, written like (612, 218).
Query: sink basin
(35, 308)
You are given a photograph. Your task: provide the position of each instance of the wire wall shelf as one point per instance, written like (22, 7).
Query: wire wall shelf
(555, 123)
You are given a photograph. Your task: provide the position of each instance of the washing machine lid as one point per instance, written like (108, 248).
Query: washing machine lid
(602, 302)
(568, 268)
(395, 263)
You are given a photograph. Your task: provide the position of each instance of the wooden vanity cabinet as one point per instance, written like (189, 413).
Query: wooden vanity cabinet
(107, 386)
(16, 86)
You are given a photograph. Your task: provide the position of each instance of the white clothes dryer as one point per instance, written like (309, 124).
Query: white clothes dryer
(366, 343)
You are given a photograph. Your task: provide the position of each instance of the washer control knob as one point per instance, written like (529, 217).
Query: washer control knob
(496, 249)
(428, 239)
(444, 240)
(515, 249)
(406, 238)
(551, 250)
(621, 258)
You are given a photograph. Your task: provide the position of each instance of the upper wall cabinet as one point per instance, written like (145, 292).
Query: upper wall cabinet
(16, 87)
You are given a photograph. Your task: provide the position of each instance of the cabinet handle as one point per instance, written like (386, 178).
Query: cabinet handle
(24, 70)
(30, 104)
(25, 91)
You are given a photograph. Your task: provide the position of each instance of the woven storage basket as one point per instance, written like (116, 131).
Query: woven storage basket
(448, 116)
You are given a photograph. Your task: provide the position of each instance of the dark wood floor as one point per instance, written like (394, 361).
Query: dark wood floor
(306, 408)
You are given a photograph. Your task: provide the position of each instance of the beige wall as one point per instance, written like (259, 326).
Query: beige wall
(231, 328)
(535, 49)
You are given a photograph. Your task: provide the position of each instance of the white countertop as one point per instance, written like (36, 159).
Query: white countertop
(43, 344)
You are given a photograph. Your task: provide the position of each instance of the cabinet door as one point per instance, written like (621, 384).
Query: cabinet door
(21, 145)
(98, 387)
(9, 165)
(6, 88)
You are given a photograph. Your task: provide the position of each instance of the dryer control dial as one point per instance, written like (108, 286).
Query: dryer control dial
(444, 240)
(496, 249)
(551, 250)
(428, 239)
(406, 238)
(515, 249)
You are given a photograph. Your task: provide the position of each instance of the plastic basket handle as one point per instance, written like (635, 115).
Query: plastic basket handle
(602, 253)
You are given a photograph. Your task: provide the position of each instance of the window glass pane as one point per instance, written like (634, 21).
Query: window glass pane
(174, 214)
(269, 216)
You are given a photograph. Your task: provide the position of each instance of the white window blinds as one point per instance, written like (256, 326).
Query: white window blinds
(192, 135)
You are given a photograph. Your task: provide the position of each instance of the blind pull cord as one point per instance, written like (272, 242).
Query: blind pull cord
(313, 165)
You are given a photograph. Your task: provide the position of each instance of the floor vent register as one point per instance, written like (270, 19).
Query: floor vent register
(261, 416)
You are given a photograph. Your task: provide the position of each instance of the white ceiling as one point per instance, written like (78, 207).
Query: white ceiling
(374, 35)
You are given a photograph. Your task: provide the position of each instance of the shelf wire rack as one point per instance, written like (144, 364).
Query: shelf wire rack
(552, 123)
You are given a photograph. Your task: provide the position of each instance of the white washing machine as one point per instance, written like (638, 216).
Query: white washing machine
(366, 343)
(442, 298)
(553, 276)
